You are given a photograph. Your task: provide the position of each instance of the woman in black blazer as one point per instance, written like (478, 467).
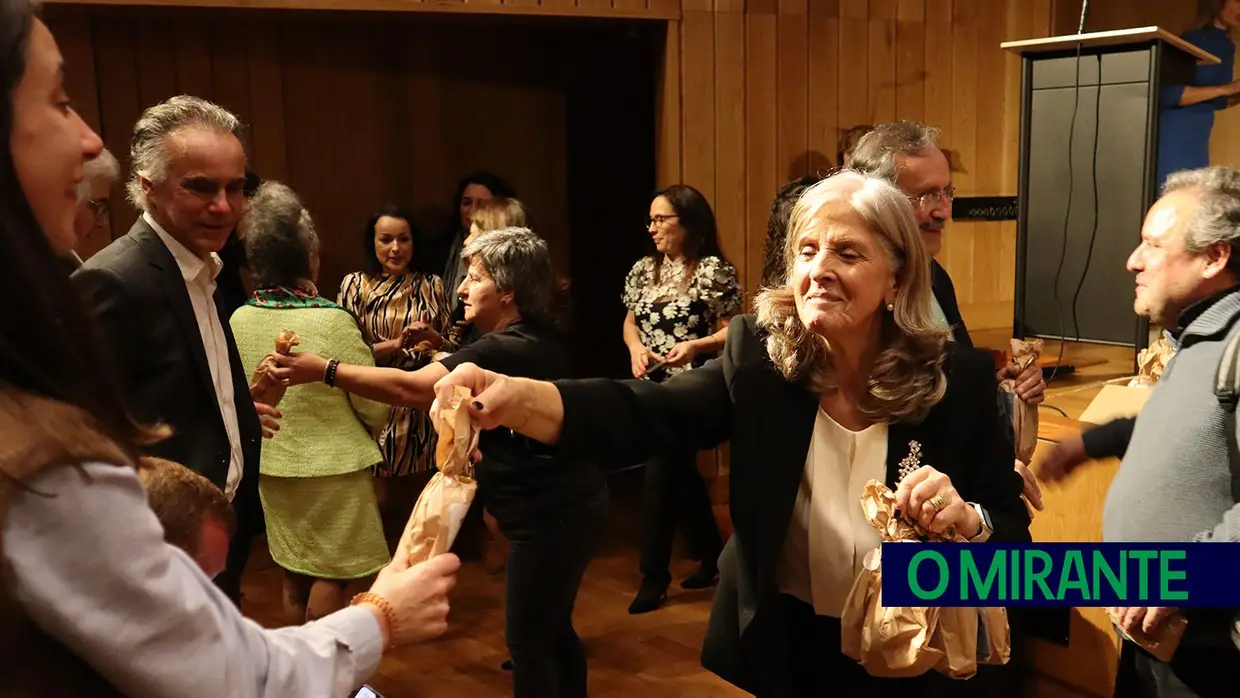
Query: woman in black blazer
(840, 376)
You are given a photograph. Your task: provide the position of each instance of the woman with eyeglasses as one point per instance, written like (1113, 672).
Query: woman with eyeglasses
(680, 298)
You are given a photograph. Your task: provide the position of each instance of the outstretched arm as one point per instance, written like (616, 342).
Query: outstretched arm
(392, 386)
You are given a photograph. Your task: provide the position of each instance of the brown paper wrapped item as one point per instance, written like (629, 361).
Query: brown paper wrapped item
(1151, 363)
(272, 393)
(897, 642)
(1024, 415)
(442, 506)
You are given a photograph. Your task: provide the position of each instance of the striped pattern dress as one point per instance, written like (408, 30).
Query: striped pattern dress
(384, 305)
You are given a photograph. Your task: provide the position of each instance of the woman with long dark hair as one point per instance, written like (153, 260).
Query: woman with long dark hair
(93, 602)
(680, 298)
(473, 189)
(403, 313)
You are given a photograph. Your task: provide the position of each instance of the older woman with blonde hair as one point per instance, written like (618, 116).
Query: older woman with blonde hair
(842, 376)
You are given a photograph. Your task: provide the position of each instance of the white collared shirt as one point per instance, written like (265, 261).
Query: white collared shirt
(199, 275)
(828, 536)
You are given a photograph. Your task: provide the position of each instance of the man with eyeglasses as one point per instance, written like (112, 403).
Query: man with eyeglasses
(94, 197)
(907, 154)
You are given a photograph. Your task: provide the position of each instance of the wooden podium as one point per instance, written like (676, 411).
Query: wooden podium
(1090, 108)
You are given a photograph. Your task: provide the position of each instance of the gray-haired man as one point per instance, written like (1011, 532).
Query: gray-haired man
(154, 292)
(1174, 483)
(94, 198)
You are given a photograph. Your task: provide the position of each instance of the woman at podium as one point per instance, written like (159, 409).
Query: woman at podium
(1188, 110)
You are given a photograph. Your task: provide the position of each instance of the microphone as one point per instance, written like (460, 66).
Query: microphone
(1084, 13)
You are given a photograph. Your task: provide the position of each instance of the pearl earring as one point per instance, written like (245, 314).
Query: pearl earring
(891, 307)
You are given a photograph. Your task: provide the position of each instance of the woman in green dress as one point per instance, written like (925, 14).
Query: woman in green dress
(315, 481)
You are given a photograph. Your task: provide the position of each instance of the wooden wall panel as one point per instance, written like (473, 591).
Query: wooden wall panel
(351, 110)
(814, 68)
(661, 9)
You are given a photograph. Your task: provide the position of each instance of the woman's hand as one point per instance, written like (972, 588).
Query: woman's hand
(682, 353)
(640, 357)
(299, 367)
(1030, 385)
(927, 496)
(418, 596)
(497, 399)
(418, 332)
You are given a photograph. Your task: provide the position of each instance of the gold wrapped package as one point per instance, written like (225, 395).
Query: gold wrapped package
(272, 391)
(1151, 362)
(442, 506)
(897, 642)
(1024, 415)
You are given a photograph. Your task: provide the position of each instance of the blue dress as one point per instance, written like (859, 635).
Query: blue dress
(1184, 132)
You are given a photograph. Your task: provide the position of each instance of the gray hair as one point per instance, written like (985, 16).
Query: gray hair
(906, 379)
(519, 263)
(148, 154)
(1217, 218)
(876, 152)
(279, 237)
(101, 168)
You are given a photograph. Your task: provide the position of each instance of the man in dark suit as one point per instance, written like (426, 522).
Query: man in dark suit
(154, 292)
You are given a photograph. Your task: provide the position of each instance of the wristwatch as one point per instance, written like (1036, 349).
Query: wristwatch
(984, 534)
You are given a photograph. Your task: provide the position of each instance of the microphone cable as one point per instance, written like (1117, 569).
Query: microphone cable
(1067, 217)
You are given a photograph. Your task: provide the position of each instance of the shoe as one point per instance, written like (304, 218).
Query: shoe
(704, 578)
(649, 598)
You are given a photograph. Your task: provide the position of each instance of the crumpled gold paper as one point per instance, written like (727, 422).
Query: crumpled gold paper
(441, 508)
(1151, 362)
(894, 642)
(1024, 415)
(272, 393)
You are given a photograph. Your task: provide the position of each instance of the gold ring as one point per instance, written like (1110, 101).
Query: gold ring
(938, 502)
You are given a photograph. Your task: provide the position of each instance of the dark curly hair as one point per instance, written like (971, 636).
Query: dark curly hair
(774, 264)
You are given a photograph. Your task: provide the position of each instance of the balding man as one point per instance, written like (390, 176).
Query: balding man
(1174, 482)
(154, 292)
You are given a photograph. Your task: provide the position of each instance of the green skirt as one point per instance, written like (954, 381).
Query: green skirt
(324, 527)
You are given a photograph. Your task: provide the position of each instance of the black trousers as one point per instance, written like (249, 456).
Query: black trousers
(229, 581)
(546, 561)
(676, 494)
(817, 665)
(1194, 672)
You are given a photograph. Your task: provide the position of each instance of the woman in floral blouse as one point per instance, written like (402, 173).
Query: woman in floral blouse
(680, 298)
(404, 316)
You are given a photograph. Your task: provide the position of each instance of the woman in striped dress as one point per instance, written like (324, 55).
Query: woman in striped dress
(403, 314)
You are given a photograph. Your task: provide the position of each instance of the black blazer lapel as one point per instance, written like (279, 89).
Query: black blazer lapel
(173, 285)
(790, 413)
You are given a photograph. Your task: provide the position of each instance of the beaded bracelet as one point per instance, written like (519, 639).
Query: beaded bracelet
(329, 375)
(388, 613)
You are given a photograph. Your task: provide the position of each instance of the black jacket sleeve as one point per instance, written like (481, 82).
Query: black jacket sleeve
(104, 293)
(1109, 440)
(629, 421)
(993, 481)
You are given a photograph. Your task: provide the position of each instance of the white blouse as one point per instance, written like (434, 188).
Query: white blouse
(828, 536)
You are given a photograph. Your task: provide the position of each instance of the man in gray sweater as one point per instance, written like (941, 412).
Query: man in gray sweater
(1175, 480)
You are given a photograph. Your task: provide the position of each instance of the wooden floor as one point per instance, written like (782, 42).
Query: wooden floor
(654, 655)
(648, 656)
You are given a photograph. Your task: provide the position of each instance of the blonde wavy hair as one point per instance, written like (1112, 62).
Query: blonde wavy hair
(906, 379)
(497, 214)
